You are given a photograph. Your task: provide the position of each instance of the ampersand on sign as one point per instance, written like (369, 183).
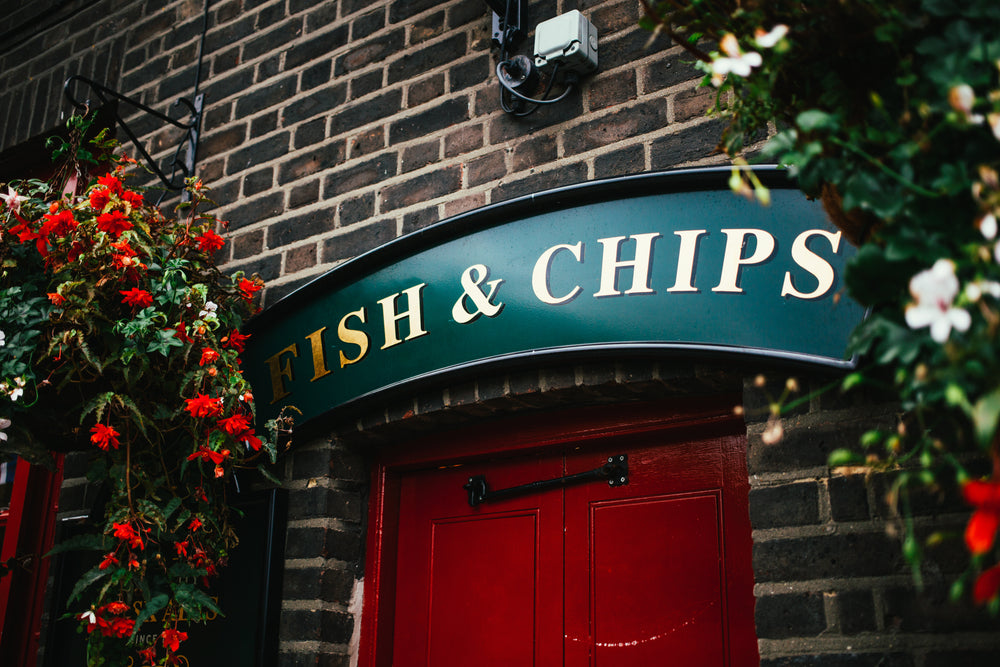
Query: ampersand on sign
(472, 278)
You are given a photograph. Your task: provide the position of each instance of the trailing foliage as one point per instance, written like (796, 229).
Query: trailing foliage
(118, 334)
(889, 112)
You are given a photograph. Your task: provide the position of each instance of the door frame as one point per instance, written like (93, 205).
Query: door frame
(677, 420)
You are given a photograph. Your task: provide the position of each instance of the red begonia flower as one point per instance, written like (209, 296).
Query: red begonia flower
(111, 183)
(235, 340)
(235, 425)
(208, 355)
(113, 223)
(210, 242)
(99, 198)
(104, 437)
(204, 406)
(172, 639)
(981, 530)
(987, 585)
(139, 298)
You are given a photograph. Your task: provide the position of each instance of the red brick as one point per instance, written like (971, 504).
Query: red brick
(301, 258)
(611, 90)
(463, 140)
(692, 103)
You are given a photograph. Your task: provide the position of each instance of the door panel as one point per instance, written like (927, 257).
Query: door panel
(655, 572)
(472, 598)
(657, 596)
(479, 586)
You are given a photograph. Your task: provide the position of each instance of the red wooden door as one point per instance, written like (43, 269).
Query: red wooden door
(655, 572)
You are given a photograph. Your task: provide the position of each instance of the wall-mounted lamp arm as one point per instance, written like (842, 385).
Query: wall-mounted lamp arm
(188, 142)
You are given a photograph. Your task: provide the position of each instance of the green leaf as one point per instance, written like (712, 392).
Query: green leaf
(89, 578)
(87, 542)
(814, 119)
(153, 606)
(985, 414)
(195, 601)
(844, 457)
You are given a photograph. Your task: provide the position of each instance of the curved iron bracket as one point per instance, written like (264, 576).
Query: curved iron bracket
(182, 166)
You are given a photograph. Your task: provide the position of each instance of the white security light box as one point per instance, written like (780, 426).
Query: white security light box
(569, 40)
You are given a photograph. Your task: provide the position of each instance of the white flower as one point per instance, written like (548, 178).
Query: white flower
(962, 98)
(15, 392)
(988, 226)
(974, 291)
(12, 200)
(88, 616)
(4, 423)
(934, 291)
(734, 62)
(209, 311)
(767, 40)
(3, 339)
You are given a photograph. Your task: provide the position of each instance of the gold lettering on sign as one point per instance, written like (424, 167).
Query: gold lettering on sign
(543, 267)
(353, 337)
(279, 372)
(733, 259)
(610, 264)
(413, 314)
(813, 263)
(318, 354)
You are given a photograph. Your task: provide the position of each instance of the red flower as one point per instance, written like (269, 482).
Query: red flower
(248, 288)
(251, 440)
(108, 561)
(99, 198)
(981, 530)
(235, 425)
(172, 639)
(113, 223)
(182, 548)
(210, 242)
(104, 436)
(182, 333)
(208, 355)
(148, 655)
(133, 198)
(139, 298)
(204, 406)
(117, 608)
(987, 585)
(56, 298)
(111, 183)
(206, 454)
(235, 340)
(126, 533)
(195, 524)
(121, 628)
(57, 223)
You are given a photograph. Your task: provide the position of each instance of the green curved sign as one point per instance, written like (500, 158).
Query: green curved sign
(668, 263)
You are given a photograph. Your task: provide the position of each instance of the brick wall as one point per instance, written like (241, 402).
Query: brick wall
(831, 584)
(332, 127)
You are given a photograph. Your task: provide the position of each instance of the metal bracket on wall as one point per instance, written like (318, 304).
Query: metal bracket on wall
(184, 164)
(615, 470)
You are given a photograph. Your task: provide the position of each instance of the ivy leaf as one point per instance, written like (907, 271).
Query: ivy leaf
(164, 341)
